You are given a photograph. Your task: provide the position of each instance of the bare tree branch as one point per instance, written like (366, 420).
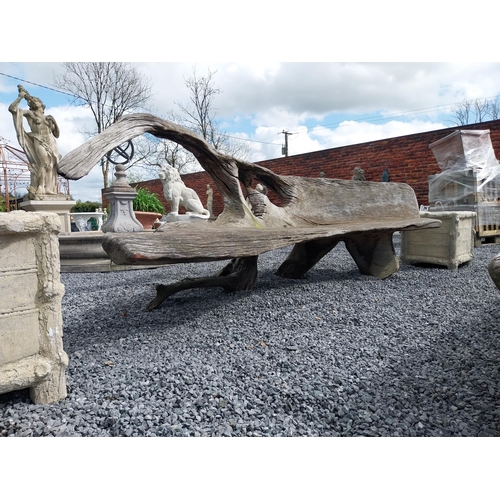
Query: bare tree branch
(200, 115)
(476, 111)
(494, 108)
(109, 89)
(481, 109)
(462, 112)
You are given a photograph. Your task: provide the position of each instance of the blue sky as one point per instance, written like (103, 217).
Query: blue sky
(323, 105)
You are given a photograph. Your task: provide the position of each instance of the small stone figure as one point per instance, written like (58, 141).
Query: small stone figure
(258, 199)
(210, 199)
(177, 194)
(385, 176)
(358, 174)
(261, 189)
(39, 144)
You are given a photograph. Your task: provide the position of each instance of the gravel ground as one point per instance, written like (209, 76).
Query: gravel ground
(334, 354)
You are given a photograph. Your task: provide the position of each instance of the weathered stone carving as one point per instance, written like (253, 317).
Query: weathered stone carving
(210, 199)
(358, 174)
(450, 245)
(39, 144)
(120, 195)
(31, 330)
(178, 194)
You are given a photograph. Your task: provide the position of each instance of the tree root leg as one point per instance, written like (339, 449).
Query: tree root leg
(239, 274)
(373, 253)
(304, 256)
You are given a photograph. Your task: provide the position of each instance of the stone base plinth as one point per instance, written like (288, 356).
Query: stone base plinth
(60, 207)
(187, 217)
(121, 218)
(450, 245)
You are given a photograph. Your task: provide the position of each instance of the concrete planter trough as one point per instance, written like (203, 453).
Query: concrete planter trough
(31, 347)
(450, 245)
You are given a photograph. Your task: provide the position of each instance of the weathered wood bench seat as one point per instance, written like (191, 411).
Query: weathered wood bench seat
(371, 249)
(204, 243)
(313, 214)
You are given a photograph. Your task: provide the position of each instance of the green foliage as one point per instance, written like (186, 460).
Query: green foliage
(85, 206)
(145, 201)
(3, 207)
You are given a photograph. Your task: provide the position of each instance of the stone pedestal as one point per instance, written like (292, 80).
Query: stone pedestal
(450, 245)
(120, 195)
(31, 347)
(60, 207)
(121, 218)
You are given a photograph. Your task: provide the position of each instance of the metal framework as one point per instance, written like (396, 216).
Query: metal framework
(15, 175)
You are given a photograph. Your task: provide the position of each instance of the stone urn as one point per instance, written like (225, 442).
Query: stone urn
(147, 219)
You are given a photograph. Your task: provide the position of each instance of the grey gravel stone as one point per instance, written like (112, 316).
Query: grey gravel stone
(334, 354)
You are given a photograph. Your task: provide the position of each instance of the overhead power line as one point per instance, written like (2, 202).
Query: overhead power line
(327, 126)
(77, 97)
(39, 85)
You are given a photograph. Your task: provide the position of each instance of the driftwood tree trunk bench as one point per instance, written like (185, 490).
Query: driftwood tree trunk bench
(313, 215)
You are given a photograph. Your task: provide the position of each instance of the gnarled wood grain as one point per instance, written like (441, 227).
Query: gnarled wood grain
(201, 243)
(312, 214)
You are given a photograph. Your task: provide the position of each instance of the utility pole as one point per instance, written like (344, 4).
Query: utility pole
(284, 149)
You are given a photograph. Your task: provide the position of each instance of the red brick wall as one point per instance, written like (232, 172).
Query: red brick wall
(408, 158)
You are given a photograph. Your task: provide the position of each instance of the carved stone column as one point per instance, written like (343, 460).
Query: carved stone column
(120, 195)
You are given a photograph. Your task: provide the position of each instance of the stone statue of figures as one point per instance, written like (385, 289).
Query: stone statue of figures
(39, 144)
(210, 199)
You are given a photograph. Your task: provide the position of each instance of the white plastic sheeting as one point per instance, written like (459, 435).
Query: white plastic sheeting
(470, 177)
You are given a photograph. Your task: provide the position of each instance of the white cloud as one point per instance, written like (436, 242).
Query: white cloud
(72, 121)
(261, 99)
(7, 131)
(352, 132)
(88, 188)
(304, 140)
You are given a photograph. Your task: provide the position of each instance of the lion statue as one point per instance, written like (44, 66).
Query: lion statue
(177, 194)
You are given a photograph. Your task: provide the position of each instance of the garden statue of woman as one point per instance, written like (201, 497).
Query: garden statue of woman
(39, 144)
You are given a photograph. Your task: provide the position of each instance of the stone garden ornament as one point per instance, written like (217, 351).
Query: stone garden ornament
(178, 194)
(39, 144)
(210, 199)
